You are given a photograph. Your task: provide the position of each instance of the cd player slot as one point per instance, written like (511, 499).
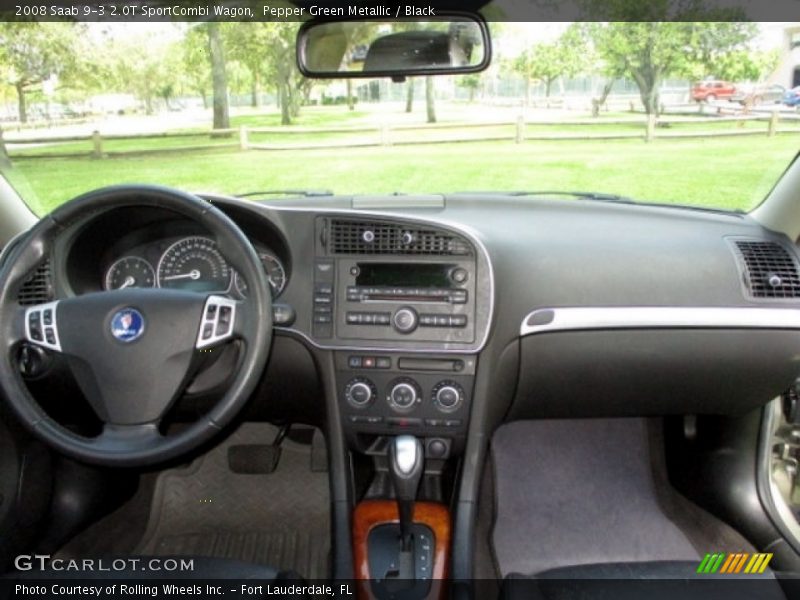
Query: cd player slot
(403, 298)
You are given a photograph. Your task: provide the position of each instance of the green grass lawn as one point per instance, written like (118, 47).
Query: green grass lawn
(732, 173)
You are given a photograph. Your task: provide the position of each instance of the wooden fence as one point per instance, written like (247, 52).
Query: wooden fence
(648, 128)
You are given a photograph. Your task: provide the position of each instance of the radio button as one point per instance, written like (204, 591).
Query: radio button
(458, 296)
(405, 320)
(459, 275)
(458, 320)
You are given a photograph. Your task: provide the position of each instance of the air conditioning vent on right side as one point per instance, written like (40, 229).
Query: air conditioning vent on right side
(770, 270)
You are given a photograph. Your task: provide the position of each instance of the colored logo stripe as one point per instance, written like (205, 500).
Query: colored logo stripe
(737, 562)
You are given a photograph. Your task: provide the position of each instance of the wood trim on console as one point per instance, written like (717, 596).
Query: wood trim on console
(370, 513)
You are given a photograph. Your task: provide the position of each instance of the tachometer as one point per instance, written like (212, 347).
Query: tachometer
(195, 264)
(130, 271)
(276, 275)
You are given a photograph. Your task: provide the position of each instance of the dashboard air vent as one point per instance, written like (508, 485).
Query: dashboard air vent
(38, 288)
(771, 271)
(381, 237)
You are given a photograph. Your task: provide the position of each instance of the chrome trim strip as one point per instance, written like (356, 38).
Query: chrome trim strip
(322, 211)
(658, 317)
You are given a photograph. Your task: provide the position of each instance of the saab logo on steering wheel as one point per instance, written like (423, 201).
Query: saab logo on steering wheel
(127, 325)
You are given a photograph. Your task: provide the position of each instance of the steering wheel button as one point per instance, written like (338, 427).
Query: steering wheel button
(48, 316)
(50, 335)
(225, 314)
(211, 312)
(222, 328)
(36, 332)
(208, 330)
(34, 317)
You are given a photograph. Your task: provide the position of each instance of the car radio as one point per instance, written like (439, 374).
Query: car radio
(418, 299)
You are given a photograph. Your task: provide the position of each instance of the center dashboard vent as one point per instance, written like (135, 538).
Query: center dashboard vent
(348, 236)
(770, 270)
(38, 288)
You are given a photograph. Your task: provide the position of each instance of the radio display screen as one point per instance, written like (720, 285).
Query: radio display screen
(423, 275)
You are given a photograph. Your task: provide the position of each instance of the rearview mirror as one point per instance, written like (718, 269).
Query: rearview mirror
(397, 49)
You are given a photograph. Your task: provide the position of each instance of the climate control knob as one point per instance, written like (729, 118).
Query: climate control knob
(447, 396)
(360, 392)
(403, 395)
(405, 320)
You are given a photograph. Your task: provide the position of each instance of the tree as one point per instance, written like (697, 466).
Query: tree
(246, 43)
(219, 76)
(547, 61)
(196, 62)
(650, 47)
(430, 97)
(745, 65)
(471, 82)
(409, 94)
(32, 53)
(145, 65)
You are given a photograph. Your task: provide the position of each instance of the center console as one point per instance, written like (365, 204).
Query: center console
(407, 305)
(405, 308)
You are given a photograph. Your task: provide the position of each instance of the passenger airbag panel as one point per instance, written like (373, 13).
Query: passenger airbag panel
(653, 371)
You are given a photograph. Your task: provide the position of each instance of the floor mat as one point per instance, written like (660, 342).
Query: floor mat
(572, 492)
(279, 519)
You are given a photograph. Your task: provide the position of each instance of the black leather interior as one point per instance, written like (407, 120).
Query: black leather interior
(656, 580)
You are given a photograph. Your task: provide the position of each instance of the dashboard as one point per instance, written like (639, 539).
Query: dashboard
(421, 314)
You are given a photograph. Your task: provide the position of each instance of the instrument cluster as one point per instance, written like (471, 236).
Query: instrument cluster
(191, 263)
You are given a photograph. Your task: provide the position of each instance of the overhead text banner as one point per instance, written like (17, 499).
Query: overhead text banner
(301, 10)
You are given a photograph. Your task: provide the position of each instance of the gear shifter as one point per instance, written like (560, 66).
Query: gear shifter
(406, 464)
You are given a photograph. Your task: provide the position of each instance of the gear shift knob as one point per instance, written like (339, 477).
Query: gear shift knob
(406, 464)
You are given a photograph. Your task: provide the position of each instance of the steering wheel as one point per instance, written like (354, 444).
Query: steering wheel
(133, 351)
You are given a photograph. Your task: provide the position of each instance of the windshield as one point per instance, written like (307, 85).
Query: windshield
(699, 114)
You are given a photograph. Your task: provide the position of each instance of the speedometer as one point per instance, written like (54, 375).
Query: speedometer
(195, 264)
